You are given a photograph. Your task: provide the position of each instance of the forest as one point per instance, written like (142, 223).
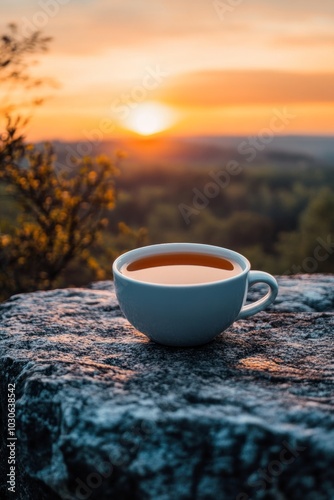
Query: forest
(277, 217)
(281, 218)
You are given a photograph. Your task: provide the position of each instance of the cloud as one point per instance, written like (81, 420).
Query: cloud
(310, 41)
(286, 10)
(82, 27)
(248, 87)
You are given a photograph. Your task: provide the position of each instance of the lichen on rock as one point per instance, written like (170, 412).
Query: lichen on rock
(102, 412)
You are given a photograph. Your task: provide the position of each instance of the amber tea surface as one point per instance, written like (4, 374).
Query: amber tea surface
(181, 269)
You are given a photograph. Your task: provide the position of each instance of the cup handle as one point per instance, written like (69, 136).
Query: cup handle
(259, 305)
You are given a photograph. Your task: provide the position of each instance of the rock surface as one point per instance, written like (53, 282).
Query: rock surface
(103, 413)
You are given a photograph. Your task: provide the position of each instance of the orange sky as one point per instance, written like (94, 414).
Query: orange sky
(221, 66)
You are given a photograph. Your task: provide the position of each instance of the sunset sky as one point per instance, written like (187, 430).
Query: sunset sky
(183, 66)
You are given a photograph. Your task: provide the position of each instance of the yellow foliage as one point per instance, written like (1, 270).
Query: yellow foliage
(92, 176)
(62, 215)
(5, 240)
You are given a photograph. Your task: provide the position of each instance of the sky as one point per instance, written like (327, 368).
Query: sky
(181, 67)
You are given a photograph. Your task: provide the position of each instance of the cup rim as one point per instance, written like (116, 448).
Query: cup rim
(172, 247)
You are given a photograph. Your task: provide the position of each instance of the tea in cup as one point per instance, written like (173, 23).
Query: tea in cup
(184, 294)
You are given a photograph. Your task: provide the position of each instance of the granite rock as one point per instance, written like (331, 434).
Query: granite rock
(103, 413)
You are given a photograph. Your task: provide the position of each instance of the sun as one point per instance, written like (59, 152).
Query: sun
(149, 118)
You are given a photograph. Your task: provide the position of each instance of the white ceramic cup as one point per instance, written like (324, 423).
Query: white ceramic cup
(188, 315)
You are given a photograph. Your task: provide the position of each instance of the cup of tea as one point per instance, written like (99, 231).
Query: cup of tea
(184, 294)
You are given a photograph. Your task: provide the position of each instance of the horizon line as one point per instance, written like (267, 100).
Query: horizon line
(187, 137)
